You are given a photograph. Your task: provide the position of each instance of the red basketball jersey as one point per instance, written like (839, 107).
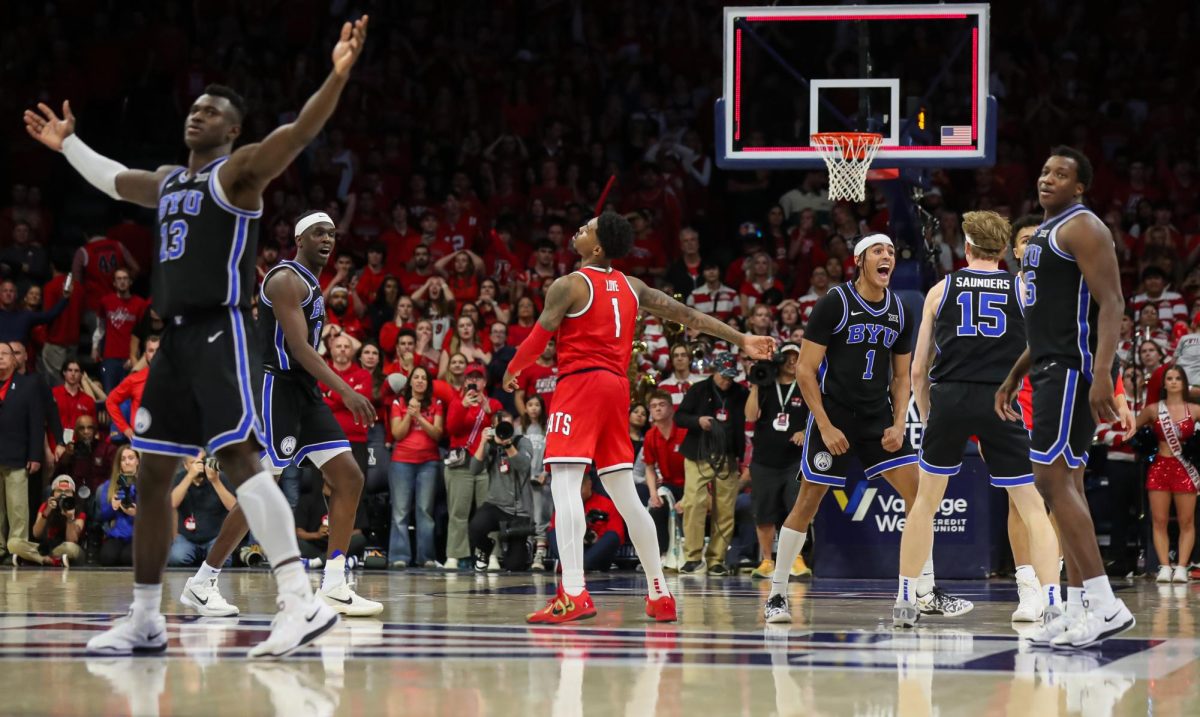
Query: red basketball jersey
(600, 335)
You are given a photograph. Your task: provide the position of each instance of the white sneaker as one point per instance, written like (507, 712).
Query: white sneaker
(493, 565)
(450, 564)
(203, 596)
(776, 609)
(1098, 624)
(1054, 623)
(940, 602)
(349, 603)
(1164, 574)
(1029, 609)
(135, 633)
(1178, 575)
(300, 620)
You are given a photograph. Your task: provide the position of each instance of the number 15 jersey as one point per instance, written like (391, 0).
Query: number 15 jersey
(859, 337)
(600, 335)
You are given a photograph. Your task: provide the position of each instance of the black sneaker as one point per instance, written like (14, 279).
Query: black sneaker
(939, 602)
(481, 561)
(720, 570)
(776, 609)
(693, 567)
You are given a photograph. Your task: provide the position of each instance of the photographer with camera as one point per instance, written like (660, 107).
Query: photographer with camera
(713, 412)
(201, 502)
(117, 502)
(508, 509)
(605, 532)
(466, 419)
(58, 527)
(779, 414)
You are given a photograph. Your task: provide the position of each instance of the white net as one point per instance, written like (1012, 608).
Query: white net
(847, 156)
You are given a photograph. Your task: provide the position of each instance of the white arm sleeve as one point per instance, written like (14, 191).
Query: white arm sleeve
(100, 171)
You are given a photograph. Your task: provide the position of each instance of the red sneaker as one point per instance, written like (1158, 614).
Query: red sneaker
(662, 609)
(564, 608)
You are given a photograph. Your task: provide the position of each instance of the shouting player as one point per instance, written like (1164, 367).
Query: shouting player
(203, 382)
(854, 375)
(1073, 306)
(971, 332)
(297, 423)
(593, 311)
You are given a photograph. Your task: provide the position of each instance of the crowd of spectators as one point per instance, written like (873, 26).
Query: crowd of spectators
(462, 158)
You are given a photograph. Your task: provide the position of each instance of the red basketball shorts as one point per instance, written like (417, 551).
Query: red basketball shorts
(590, 422)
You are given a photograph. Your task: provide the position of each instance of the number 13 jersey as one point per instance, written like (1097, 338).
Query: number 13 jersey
(600, 335)
(859, 337)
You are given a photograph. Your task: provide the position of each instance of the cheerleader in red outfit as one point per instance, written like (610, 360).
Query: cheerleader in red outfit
(1172, 478)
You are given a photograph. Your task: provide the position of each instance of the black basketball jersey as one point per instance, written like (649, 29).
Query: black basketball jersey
(277, 356)
(859, 339)
(207, 246)
(1061, 317)
(979, 330)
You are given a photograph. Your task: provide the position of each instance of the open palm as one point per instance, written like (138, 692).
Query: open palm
(47, 128)
(349, 46)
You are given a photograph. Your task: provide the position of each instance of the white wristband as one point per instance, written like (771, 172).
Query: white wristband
(100, 171)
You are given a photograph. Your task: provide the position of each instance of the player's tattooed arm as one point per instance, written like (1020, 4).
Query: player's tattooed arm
(663, 306)
(923, 353)
(251, 168)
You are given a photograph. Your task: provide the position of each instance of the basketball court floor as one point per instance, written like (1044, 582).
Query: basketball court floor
(458, 645)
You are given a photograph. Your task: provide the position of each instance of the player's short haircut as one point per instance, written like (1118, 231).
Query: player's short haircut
(615, 234)
(661, 395)
(235, 99)
(989, 233)
(1029, 220)
(1083, 165)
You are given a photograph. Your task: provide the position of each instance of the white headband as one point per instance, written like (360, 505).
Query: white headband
(310, 220)
(967, 238)
(869, 241)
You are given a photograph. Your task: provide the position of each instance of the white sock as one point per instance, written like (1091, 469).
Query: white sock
(907, 591)
(791, 542)
(147, 599)
(271, 521)
(1051, 596)
(1025, 574)
(640, 526)
(569, 524)
(206, 572)
(1098, 590)
(925, 582)
(1074, 600)
(335, 573)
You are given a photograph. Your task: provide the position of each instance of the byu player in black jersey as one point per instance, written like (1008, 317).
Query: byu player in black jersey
(297, 423)
(972, 330)
(854, 375)
(1073, 307)
(204, 381)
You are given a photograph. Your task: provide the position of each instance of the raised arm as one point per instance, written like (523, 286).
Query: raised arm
(663, 306)
(252, 167)
(108, 175)
(923, 353)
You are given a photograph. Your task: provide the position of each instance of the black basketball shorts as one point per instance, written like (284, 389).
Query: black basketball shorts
(1062, 416)
(202, 386)
(864, 430)
(297, 424)
(959, 410)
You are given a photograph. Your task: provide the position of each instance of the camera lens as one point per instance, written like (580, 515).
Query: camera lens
(66, 503)
(504, 430)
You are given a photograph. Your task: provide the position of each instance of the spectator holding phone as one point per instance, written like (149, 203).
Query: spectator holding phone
(117, 501)
(466, 419)
(58, 527)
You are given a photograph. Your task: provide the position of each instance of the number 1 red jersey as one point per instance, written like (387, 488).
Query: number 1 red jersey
(600, 335)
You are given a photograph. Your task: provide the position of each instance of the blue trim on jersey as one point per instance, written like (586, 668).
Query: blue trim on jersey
(281, 348)
(328, 445)
(302, 269)
(1012, 482)
(888, 465)
(249, 422)
(215, 191)
(299, 269)
(1052, 239)
(269, 426)
(969, 270)
(235, 257)
(845, 310)
(887, 300)
(821, 371)
(810, 474)
(1065, 417)
(1074, 461)
(189, 177)
(1085, 352)
(165, 448)
(937, 470)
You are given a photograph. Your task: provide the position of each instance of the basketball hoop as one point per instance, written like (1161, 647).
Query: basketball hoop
(848, 157)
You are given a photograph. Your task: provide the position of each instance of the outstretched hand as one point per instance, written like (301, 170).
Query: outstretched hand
(758, 347)
(47, 127)
(510, 382)
(349, 46)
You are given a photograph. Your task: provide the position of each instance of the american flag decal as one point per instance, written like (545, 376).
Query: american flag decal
(956, 134)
